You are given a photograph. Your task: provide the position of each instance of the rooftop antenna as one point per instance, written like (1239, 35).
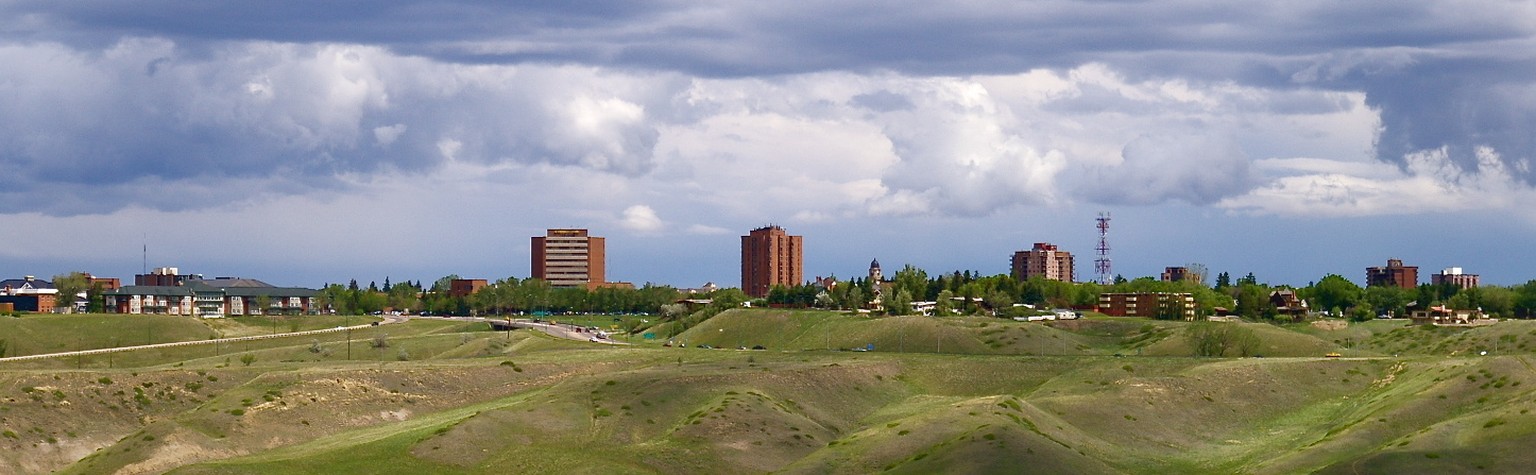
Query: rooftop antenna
(145, 264)
(1102, 264)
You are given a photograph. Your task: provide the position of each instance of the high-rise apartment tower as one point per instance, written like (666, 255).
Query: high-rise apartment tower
(769, 257)
(1044, 260)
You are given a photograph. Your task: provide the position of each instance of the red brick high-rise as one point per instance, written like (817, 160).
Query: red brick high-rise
(769, 257)
(1044, 260)
(1395, 274)
(569, 258)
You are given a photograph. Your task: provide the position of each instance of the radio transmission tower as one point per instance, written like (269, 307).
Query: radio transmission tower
(1101, 264)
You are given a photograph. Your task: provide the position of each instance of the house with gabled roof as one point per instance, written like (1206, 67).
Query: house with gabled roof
(29, 294)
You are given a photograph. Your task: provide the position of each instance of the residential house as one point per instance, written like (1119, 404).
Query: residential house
(1287, 304)
(1445, 316)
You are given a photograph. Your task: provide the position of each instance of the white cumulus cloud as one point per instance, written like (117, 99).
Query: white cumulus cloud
(641, 218)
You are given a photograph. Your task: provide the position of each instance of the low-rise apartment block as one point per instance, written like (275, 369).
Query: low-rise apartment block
(1164, 305)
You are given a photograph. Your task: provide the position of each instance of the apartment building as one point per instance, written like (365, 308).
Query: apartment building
(769, 257)
(1044, 260)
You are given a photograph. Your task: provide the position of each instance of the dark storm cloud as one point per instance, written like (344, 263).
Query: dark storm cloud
(1459, 105)
(775, 38)
(108, 96)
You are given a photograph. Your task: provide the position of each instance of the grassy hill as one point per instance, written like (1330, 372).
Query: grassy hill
(823, 330)
(450, 397)
(45, 333)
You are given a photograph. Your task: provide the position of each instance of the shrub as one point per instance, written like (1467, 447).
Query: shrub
(380, 341)
(247, 359)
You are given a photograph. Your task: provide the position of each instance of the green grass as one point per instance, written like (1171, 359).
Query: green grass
(38, 333)
(286, 349)
(472, 401)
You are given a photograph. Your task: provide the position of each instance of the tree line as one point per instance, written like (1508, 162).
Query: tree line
(505, 296)
(966, 292)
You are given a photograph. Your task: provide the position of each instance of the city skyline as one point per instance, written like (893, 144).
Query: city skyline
(1363, 279)
(310, 143)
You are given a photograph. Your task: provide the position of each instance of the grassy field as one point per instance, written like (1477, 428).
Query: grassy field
(438, 396)
(43, 333)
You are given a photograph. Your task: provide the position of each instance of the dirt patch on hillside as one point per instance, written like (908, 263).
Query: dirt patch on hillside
(1330, 324)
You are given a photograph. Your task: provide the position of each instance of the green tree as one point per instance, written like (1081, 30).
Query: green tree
(999, 300)
(1498, 301)
(1334, 291)
(1253, 301)
(1388, 300)
(70, 285)
(1223, 280)
(857, 298)
(913, 280)
(900, 303)
(1524, 302)
(94, 302)
(1217, 339)
(944, 305)
(442, 284)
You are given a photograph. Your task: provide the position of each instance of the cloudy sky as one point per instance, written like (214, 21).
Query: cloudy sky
(305, 142)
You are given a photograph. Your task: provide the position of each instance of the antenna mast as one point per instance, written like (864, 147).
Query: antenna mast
(1102, 264)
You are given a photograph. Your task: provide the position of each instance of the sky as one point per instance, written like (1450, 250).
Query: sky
(303, 142)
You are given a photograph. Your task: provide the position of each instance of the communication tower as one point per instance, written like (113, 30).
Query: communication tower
(1101, 264)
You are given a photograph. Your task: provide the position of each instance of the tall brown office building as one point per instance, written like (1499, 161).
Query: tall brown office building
(569, 258)
(1046, 261)
(769, 257)
(1395, 274)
